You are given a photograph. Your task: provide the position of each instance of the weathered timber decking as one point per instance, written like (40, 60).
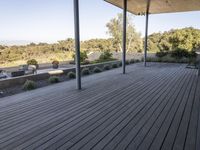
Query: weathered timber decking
(151, 108)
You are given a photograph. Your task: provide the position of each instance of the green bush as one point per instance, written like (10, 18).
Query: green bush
(192, 54)
(161, 54)
(152, 59)
(83, 56)
(29, 85)
(132, 61)
(71, 75)
(33, 62)
(180, 53)
(85, 71)
(127, 62)
(55, 62)
(120, 64)
(86, 62)
(54, 79)
(106, 67)
(114, 65)
(97, 70)
(106, 55)
(137, 60)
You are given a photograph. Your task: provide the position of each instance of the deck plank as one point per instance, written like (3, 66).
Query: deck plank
(157, 107)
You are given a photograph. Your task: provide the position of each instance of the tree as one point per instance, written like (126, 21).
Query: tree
(186, 38)
(115, 30)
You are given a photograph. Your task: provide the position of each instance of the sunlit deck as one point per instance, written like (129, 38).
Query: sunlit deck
(157, 107)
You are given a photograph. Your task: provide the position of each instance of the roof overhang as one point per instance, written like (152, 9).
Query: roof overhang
(138, 7)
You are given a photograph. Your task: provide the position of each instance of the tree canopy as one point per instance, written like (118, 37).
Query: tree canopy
(115, 26)
(186, 38)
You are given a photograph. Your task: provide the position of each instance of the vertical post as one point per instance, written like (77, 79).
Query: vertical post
(77, 43)
(124, 36)
(199, 68)
(146, 33)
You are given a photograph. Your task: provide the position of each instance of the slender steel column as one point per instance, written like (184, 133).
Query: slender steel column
(77, 43)
(146, 33)
(124, 36)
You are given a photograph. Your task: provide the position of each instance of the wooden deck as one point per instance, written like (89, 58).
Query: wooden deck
(151, 108)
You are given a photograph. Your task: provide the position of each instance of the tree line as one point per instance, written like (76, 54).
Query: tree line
(186, 38)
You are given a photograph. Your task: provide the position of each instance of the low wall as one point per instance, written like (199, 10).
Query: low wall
(7, 83)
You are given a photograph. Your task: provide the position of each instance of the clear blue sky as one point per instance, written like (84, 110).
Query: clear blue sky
(52, 20)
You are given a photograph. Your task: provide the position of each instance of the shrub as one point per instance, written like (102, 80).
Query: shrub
(114, 65)
(97, 70)
(151, 59)
(127, 62)
(161, 54)
(72, 62)
(137, 60)
(132, 61)
(54, 79)
(106, 67)
(85, 71)
(120, 64)
(192, 58)
(55, 62)
(106, 55)
(71, 75)
(33, 62)
(180, 53)
(192, 54)
(29, 85)
(86, 62)
(83, 56)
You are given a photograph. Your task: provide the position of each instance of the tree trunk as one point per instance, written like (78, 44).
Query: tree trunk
(129, 44)
(120, 47)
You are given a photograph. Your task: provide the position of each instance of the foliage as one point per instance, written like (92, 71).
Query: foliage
(106, 55)
(54, 79)
(29, 85)
(127, 62)
(180, 53)
(98, 45)
(97, 70)
(71, 75)
(161, 54)
(186, 38)
(167, 59)
(83, 56)
(132, 61)
(134, 40)
(86, 62)
(55, 62)
(85, 71)
(106, 67)
(114, 65)
(137, 60)
(33, 62)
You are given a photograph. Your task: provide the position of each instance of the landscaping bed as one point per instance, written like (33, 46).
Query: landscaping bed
(17, 85)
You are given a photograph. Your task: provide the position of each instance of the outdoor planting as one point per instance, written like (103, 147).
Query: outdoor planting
(29, 85)
(54, 79)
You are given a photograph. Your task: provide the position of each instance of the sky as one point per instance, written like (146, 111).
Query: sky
(52, 20)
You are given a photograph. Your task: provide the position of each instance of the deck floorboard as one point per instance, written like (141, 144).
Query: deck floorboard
(152, 108)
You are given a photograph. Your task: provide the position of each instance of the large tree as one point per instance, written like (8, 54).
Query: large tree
(186, 38)
(115, 30)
